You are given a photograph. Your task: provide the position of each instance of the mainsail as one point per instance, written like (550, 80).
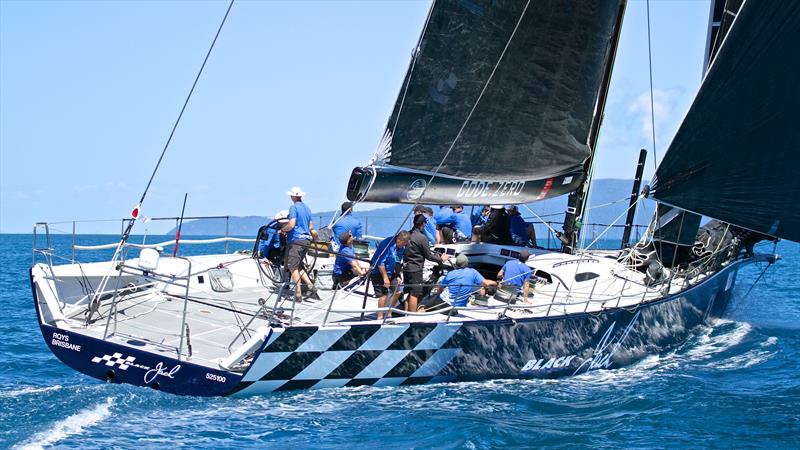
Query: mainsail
(735, 156)
(496, 105)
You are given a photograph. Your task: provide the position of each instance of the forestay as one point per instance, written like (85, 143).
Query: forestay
(502, 95)
(736, 154)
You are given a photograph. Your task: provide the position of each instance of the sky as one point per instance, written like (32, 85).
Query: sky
(294, 93)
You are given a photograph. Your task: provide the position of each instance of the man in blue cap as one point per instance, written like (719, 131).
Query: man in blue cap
(345, 268)
(462, 282)
(516, 274)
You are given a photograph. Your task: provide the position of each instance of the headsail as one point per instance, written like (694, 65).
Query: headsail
(497, 102)
(736, 154)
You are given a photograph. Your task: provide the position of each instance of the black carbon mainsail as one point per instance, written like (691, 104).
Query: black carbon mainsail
(497, 103)
(735, 156)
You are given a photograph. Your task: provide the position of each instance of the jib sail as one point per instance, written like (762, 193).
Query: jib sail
(735, 156)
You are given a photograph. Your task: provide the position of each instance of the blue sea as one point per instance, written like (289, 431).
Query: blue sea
(733, 384)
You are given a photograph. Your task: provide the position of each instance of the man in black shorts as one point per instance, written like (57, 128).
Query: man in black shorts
(416, 253)
(384, 263)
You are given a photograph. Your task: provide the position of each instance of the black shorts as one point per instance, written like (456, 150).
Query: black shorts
(295, 254)
(339, 280)
(379, 288)
(412, 283)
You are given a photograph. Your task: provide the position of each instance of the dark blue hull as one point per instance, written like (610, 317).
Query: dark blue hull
(402, 354)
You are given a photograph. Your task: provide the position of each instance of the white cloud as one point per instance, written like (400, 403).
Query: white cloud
(665, 112)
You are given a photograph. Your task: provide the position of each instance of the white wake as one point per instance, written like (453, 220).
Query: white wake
(70, 426)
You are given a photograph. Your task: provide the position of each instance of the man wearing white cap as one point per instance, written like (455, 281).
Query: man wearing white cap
(299, 231)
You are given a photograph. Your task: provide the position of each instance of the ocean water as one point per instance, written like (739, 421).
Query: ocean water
(733, 384)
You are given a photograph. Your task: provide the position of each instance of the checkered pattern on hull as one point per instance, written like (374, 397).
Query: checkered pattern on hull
(389, 355)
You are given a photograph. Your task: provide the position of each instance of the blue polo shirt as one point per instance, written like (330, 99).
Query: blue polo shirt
(302, 227)
(461, 283)
(271, 241)
(347, 223)
(516, 272)
(518, 227)
(478, 218)
(443, 216)
(462, 223)
(343, 260)
(430, 230)
(387, 254)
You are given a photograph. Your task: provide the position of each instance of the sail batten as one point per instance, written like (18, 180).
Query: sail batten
(735, 156)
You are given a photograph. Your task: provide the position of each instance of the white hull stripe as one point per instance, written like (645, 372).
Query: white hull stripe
(389, 355)
(383, 364)
(384, 337)
(436, 363)
(322, 339)
(264, 363)
(324, 365)
(438, 337)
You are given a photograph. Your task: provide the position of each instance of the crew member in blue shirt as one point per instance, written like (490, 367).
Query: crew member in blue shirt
(522, 233)
(430, 226)
(462, 224)
(299, 232)
(345, 268)
(517, 274)
(480, 216)
(271, 243)
(346, 222)
(462, 282)
(384, 264)
(444, 225)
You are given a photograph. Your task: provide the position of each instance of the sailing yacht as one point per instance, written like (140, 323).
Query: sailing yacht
(502, 103)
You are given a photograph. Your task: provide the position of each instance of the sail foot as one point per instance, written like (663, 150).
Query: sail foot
(395, 185)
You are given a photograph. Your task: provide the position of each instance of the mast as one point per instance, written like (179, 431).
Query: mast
(637, 183)
(576, 202)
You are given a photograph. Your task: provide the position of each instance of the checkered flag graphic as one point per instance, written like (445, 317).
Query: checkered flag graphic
(115, 359)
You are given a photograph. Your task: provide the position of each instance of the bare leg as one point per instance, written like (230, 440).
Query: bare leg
(297, 286)
(304, 276)
(395, 298)
(381, 304)
(411, 303)
(532, 234)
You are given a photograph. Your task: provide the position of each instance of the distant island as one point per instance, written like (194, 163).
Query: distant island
(608, 201)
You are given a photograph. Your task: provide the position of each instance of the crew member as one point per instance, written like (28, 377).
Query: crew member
(480, 216)
(495, 230)
(270, 243)
(516, 274)
(299, 232)
(345, 268)
(522, 233)
(462, 224)
(416, 253)
(430, 227)
(444, 225)
(384, 263)
(346, 222)
(462, 282)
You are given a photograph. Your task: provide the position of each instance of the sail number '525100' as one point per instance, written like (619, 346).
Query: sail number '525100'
(490, 189)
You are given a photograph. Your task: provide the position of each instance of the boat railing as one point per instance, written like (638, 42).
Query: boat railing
(46, 230)
(177, 280)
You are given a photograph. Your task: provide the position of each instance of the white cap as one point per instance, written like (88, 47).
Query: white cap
(496, 206)
(282, 214)
(295, 191)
